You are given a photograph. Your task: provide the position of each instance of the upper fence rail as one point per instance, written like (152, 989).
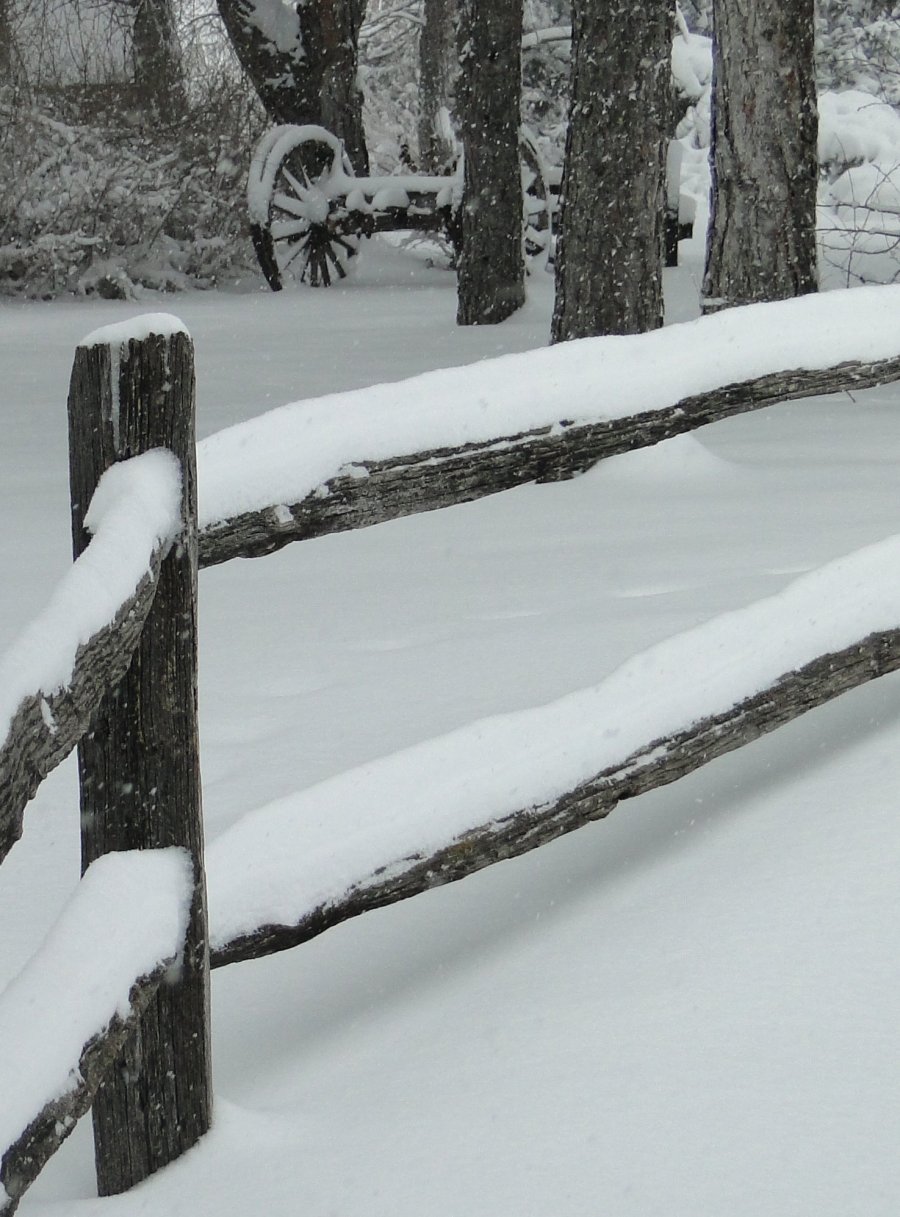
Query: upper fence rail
(360, 458)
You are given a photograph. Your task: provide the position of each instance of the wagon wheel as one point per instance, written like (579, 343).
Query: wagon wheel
(301, 227)
(538, 203)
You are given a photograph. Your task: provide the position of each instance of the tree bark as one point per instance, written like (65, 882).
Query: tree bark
(610, 248)
(437, 70)
(339, 23)
(139, 763)
(761, 243)
(6, 45)
(491, 279)
(303, 63)
(158, 72)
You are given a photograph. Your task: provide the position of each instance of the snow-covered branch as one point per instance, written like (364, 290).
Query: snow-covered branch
(65, 1018)
(54, 676)
(500, 787)
(361, 458)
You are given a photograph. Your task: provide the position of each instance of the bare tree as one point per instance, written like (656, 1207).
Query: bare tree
(303, 62)
(610, 252)
(491, 280)
(761, 243)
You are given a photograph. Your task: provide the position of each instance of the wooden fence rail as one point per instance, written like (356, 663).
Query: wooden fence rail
(660, 762)
(48, 724)
(648, 693)
(446, 437)
(60, 1036)
(132, 678)
(376, 491)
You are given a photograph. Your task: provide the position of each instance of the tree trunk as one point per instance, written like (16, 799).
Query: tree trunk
(6, 56)
(339, 22)
(437, 69)
(491, 281)
(303, 63)
(762, 241)
(139, 762)
(610, 250)
(158, 72)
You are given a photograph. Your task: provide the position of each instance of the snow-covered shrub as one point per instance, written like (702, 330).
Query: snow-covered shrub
(859, 213)
(112, 207)
(858, 46)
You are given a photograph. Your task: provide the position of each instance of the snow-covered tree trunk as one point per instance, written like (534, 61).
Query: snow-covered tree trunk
(266, 39)
(303, 61)
(610, 251)
(437, 68)
(491, 280)
(158, 71)
(761, 243)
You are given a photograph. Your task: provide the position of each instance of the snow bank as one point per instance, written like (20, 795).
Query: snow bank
(283, 456)
(282, 861)
(128, 916)
(135, 509)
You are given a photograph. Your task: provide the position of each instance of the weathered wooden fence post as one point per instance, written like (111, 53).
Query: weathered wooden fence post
(132, 389)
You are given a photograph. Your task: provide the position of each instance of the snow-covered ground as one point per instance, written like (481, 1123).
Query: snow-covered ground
(690, 1008)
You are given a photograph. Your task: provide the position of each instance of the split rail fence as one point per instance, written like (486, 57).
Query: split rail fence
(123, 689)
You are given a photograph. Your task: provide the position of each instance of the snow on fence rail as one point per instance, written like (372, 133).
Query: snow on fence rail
(58, 1034)
(360, 458)
(497, 788)
(54, 675)
(349, 461)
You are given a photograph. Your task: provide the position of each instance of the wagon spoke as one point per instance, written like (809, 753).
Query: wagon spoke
(302, 247)
(294, 207)
(324, 250)
(298, 189)
(283, 230)
(329, 252)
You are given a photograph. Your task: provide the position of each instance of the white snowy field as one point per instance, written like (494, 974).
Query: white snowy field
(690, 1008)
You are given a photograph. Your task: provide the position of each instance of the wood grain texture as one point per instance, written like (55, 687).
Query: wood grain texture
(657, 764)
(139, 763)
(425, 481)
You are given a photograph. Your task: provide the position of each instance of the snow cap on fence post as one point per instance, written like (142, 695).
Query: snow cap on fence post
(132, 390)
